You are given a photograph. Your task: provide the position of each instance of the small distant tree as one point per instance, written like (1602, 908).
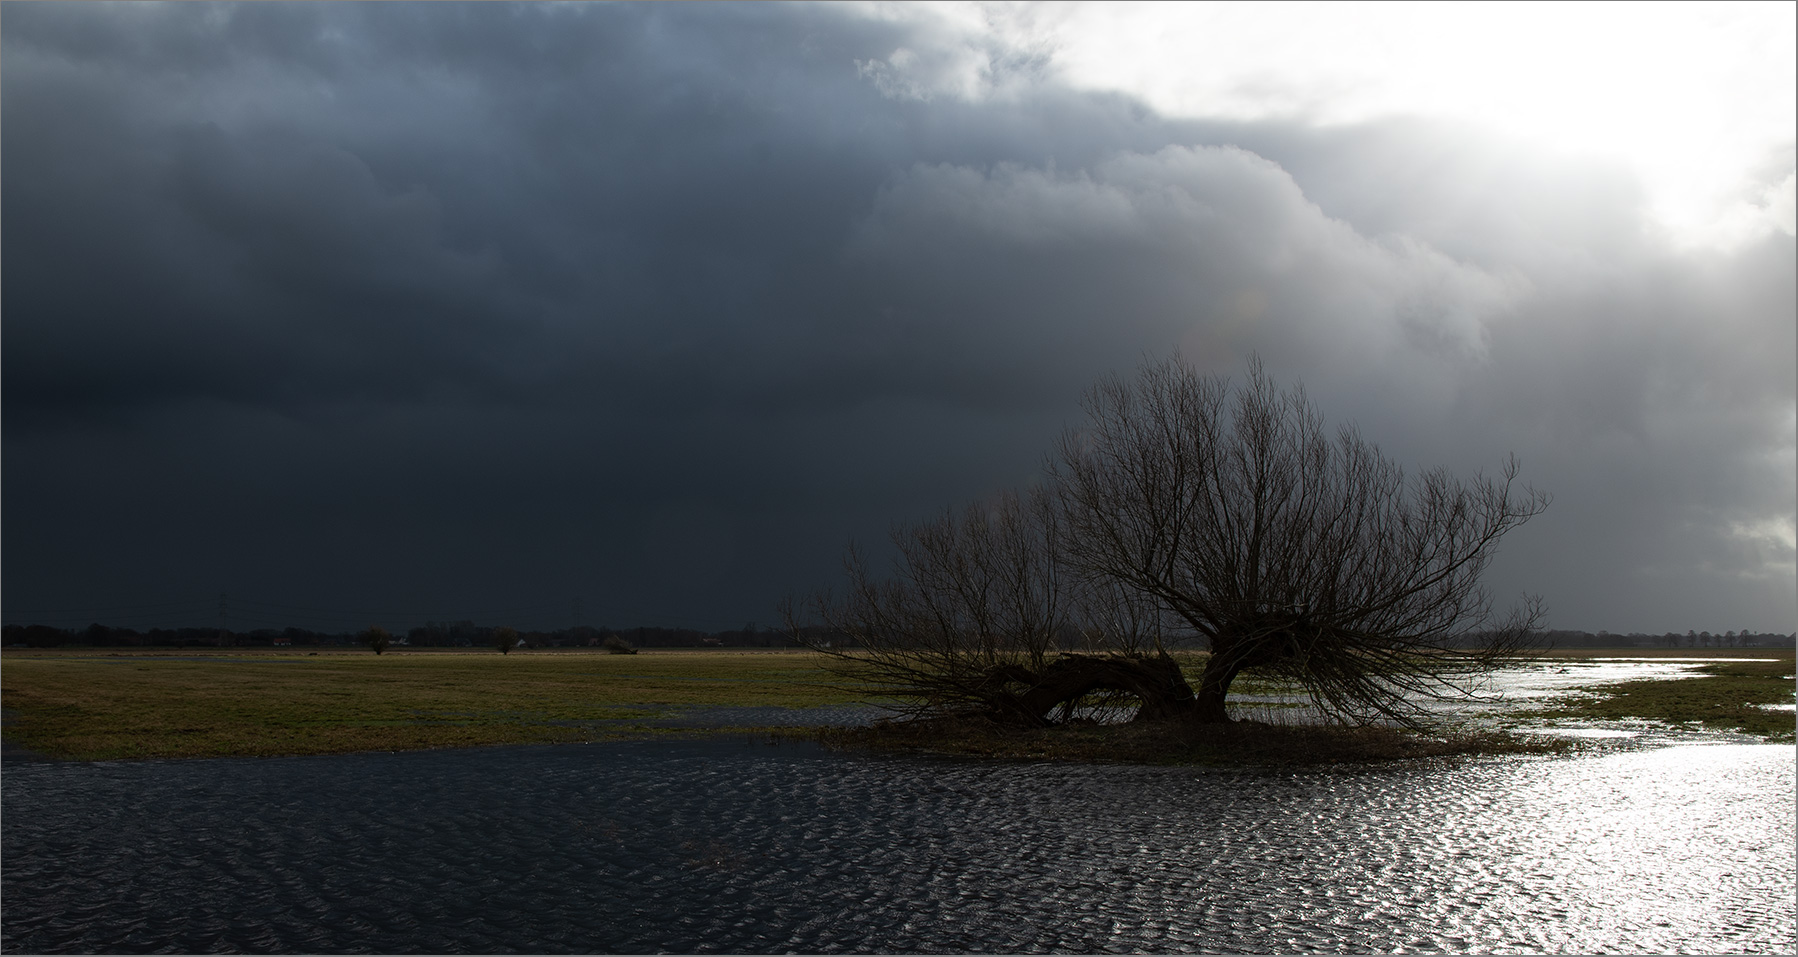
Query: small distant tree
(376, 638)
(505, 639)
(617, 646)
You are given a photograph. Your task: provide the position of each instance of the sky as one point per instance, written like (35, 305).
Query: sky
(638, 314)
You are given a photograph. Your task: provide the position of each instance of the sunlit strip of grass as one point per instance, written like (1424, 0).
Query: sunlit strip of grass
(1727, 697)
(101, 707)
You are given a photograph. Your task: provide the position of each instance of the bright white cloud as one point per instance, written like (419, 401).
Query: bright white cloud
(1695, 98)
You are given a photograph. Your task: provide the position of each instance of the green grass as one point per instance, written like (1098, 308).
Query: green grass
(1724, 698)
(96, 706)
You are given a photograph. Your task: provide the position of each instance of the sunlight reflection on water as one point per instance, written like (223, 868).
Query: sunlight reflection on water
(1502, 693)
(739, 847)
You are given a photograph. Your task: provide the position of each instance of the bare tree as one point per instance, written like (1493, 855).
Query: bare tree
(984, 615)
(1284, 549)
(376, 638)
(505, 639)
(1188, 510)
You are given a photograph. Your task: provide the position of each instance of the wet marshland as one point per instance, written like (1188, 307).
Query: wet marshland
(1670, 843)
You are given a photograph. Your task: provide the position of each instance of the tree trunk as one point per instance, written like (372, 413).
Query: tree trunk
(1214, 687)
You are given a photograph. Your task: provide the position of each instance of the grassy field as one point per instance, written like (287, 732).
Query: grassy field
(1725, 698)
(102, 704)
(112, 704)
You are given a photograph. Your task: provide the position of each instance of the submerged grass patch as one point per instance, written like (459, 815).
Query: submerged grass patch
(97, 706)
(1727, 697)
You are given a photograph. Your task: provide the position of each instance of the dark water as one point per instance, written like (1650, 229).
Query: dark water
(744, 847)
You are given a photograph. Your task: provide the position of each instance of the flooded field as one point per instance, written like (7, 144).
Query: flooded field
(738, 846)
(1501, 694)
(1664, 840)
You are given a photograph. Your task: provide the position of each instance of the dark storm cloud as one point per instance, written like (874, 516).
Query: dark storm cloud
(449, 306)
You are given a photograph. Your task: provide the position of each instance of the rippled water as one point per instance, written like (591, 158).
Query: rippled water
(738, 846)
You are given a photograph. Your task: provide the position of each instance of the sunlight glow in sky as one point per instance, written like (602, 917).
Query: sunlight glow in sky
(1697, 100)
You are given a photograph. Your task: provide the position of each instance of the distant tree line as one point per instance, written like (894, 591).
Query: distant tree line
(435, 634)
(1691, 639)
(466, 634)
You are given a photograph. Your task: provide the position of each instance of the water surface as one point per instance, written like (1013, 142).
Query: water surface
(738, 846)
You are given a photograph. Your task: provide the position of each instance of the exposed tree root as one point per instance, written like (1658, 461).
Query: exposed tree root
(1019, 696)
